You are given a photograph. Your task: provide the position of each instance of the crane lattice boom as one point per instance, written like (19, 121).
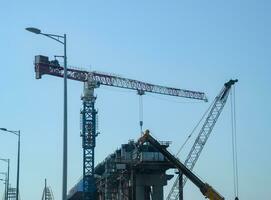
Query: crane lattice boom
(43, 66)
(203, 135)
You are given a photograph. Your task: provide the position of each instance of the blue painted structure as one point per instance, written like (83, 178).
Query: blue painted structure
(88, 134)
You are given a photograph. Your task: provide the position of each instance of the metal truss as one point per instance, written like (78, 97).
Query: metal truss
(115, 81)
(88, 134)
(202, 137)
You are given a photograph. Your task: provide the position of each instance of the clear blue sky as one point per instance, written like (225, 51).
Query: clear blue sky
(188, 44)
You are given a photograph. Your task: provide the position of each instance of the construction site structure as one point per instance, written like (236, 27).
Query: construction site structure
(208, 191)
(133, 173)
(205, 131)
(91, 81)
(137, 171)
(129, 173)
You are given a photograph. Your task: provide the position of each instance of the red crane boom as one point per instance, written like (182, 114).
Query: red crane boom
(43, 66)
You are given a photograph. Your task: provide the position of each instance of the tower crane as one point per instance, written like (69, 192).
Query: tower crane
(93, 80)
(202, 137)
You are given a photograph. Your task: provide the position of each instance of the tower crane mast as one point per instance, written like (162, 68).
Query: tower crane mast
(203, 136)
(92, 80)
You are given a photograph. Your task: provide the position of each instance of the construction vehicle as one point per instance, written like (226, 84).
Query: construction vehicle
(205, 188)
(205, 131)
(93, 80)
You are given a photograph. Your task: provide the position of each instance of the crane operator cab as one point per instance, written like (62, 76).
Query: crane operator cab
(54, 63)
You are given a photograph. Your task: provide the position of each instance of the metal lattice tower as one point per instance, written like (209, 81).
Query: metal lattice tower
(47, 193)
(88, 134)
(203, 136)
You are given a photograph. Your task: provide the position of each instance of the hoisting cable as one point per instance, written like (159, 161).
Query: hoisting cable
(236, 158)
(234, 145)
(141, 93)
(194, 129)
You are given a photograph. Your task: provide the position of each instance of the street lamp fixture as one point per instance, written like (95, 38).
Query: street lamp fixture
(7, 185)
(61, 39)
(18, 133)
(33, 30)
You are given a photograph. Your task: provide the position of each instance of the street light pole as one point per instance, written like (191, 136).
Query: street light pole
(65, 126)
(18, 133)
(65, 131)
(18, 165)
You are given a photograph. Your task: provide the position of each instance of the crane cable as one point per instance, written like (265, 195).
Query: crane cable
(141, 113)
(234, 145)
(195, 128)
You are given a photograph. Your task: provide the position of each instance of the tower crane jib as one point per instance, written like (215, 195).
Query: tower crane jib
(44, 66)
